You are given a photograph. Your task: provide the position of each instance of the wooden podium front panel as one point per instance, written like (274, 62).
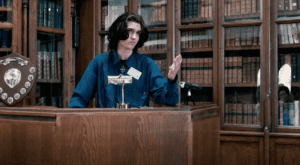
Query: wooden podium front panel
(123, 138)
(171, 135)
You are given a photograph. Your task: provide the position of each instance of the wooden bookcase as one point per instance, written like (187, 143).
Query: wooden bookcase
(50, 49)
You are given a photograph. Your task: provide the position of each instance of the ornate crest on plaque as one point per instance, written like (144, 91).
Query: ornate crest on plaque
(17, 76)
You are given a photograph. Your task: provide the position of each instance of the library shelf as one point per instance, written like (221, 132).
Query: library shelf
(50, 30)
(203, 49)
(296, 84)
(254, 84)
(244, 17)
(48, 81)
(288, 45)
(6, 25)
(6, 9)
(243, 48)
(196, 20)
(196, 26)
(242, 24)
(153, 52)
(5, 49)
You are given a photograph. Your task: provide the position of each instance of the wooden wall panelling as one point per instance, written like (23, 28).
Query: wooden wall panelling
(32, 36)
(236, 150)
(177, 39)
(284, 150)
(86, 50)
(67, 25)
(216, 35)
(205, 135)
(27, 142)
(123, 138)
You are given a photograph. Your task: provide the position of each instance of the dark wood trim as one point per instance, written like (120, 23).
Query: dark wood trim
(32, 36)
(241, 133)
(51, 30)
(196, 26)
(242, 24)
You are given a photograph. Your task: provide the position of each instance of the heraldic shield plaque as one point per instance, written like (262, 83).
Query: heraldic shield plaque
(17, 76)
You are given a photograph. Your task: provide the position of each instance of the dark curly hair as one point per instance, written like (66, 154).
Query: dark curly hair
(118, 31)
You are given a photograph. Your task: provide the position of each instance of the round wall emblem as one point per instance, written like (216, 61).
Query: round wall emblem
(17, 96)
(12, 77)
(4, 96)
(22, 91)
(10, 100)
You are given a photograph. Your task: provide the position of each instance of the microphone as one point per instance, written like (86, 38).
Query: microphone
(189, 86)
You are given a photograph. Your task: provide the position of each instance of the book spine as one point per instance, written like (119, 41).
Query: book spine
(245, 70)
(253, 70)
(39, 66)
(296, 113)
(227, 37)
(290, 34)
(238, 7)
(280, 5)
(298, 67)
(243, 6)
(291, 114)
(249, 36)
(249, 60)
(248, 6)
(210, 70)
(226, 70)
(234, 114)
(206, 71)
(253, 6)
(230, 113)
(45, 64)
(226, 113)
(230, 64)
(285, 114)
(201, 72)
(250, 114)
(233, 7)
(239, 119)
(240, 69)
(52, 67)
(232, 37)
(188, 73)
(258, 112)
(243, 36)
(245, 114)
(45, 12)
(237, 36)
(254, 118)
(234, 69)
(4, 38)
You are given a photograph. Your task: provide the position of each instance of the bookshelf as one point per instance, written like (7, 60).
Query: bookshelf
(50, 28)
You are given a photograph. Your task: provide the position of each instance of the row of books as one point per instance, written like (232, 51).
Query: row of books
(197, 70)
(288, 113)
(5, 38)
(287, 5)
(241, 7)
(289, 33)
(154, 14)
(56, 101)
(242, 36)
(50, 60)
(110, 13)
(196, 9)
(240, 69)
(162, 65)
(249, 114)
(295, 64)
(156, 41)
(5, 3)
(50, 14)
(197, 38)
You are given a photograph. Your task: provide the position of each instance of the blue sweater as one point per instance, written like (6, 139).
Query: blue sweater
(151, 83)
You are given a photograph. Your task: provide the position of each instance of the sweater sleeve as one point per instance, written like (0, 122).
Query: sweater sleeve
(162, 90)
(84, 89)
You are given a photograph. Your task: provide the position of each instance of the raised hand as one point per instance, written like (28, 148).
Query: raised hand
(173, 69)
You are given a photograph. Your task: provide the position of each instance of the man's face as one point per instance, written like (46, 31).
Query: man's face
(134, 31)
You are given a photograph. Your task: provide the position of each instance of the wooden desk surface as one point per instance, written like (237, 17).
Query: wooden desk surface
(164, 135)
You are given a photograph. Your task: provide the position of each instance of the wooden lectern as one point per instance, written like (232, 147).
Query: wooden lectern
(164, 135)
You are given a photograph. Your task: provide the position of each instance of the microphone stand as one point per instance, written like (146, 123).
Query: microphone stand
(189, 97)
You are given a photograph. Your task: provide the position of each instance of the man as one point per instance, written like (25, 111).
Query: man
(126, 35)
